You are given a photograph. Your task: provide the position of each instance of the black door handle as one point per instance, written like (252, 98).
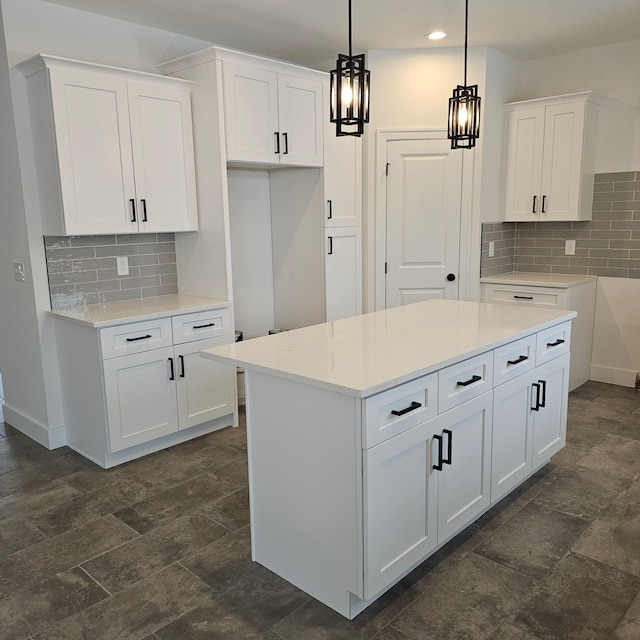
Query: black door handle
(543, 384)
(172, 376)
(544, 204)
(330, 246)
(449, 433)
(438, 465)
(535, 200)
(277, 135)
(412, 407)
(285, 137)
(133, 209)
(330, 210)
(144, 210)
(451, 277)
(181, 366)
(537, 402)
(466, 383)
(518, 361)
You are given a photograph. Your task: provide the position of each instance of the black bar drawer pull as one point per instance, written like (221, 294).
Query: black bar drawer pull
(412, 407)
(466, 383)
(330, 252)
(518, 361)
(277, 135)
(330, 210)
(181, 366)
(172, 376)
(535, 202)
(449, 433)
(523, 297)
(537, 401)
(144, 210)
(285, 137)
(133, 209)
(544, 204)
(204, 326)
(438, 465)
(558, 342)
(139, 338)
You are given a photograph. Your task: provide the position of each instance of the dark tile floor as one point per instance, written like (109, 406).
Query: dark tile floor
(159, 548)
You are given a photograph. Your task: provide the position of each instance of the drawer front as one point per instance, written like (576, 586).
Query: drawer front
(201, 325)
(553, 342)
(464, 380)
(514, 359)
(413, 403)
(546, 297)
(135, 337)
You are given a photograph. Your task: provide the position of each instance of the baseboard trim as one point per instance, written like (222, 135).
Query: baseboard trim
(622, 377)
(50, 438)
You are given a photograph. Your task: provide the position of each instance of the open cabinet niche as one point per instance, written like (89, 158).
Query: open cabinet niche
(277, 239)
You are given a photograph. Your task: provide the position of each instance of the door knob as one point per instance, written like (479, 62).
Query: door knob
(451, 277)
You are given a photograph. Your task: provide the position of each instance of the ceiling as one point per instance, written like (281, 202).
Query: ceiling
(312, 32)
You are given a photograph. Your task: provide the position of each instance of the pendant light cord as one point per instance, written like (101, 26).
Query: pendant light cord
(350, 50)
(466, 29)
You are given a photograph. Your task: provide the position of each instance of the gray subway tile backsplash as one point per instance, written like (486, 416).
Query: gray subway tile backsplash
(82, 269)
(607, 245)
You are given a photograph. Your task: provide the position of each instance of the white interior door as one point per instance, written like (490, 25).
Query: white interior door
(424, 194)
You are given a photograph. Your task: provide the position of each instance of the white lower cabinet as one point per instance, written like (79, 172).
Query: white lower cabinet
(422, 487)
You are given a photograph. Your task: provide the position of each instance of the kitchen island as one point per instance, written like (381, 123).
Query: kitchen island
(373, 440)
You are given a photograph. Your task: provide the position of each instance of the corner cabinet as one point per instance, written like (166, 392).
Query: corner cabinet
(550, 158)
(148, 378)
(271, 117)
(113, 149)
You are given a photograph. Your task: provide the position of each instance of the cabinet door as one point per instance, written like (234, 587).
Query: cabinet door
(550, 421)
(342, 179)
(162, 141)
(512, 435)
(141, 397)
(251, 114)
(525, 137)
(93, 141)
(400, 506)
(300, 117)
(206, 388)
(464, 483)
(343, 273)
(562, 161)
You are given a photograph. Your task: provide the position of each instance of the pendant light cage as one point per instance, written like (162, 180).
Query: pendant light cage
(464, 105)
(350, 92)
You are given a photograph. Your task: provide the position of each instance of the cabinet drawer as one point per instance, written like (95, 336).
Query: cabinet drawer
(464, 380)
(553, 342)
(201, 325)
(415, 401)
(546, 297)
(135, 337)
(514, 359)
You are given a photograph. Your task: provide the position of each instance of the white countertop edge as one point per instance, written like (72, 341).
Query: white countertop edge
(550, 280)
(391, 382)
(110, 314)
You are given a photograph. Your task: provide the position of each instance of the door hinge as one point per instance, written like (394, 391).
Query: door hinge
(386, 170)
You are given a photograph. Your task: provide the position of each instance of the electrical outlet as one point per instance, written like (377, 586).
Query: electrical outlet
(122, 263)
(492, 249)
(570, 248)
(18, 271)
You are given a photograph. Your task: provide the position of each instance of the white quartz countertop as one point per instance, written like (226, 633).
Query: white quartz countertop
(367, 354)
(553, 280)
(114, 313)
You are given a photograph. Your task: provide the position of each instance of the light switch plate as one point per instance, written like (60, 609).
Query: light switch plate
(492, 249)
(570, 248)
(18, 271)
(122, 263)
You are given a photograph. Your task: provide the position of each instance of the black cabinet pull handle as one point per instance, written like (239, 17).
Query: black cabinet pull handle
(285, 137)
(204, 326)
(535, 202)
(559, 341)
(181, 366)
(412, 407)
(330, 210)
(523, 297)
(466, 383)
(544, 204)
(144, 210)
(139, 338)
(330, 246)
(518, 361)
(277, 135)
(133, 209)
(449, 433)
(438, 465)
(543, 384)
(172, 376)
(537, 401)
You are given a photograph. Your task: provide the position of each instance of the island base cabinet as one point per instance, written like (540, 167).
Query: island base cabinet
(422, 487)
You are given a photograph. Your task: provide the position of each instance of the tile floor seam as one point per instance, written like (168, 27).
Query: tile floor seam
(94, 579)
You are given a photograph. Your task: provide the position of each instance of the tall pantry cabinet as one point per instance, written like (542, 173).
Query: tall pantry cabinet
(312, 194)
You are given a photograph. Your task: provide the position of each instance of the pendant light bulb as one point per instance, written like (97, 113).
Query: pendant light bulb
(347, 93)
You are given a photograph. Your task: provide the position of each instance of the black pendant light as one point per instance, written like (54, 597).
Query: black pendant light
(464, 106)
(350, 92)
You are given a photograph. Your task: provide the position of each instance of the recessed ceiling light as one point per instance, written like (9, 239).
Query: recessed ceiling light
(436, 35)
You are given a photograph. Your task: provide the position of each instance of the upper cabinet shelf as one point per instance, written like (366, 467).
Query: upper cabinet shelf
(113, 149)
(271, 117)
(550, 158)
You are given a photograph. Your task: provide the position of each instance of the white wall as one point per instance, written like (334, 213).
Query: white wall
(28, 358)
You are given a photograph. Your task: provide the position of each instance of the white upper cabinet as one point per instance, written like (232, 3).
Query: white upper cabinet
(550, 158)
(272, 117)
(113, 149)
